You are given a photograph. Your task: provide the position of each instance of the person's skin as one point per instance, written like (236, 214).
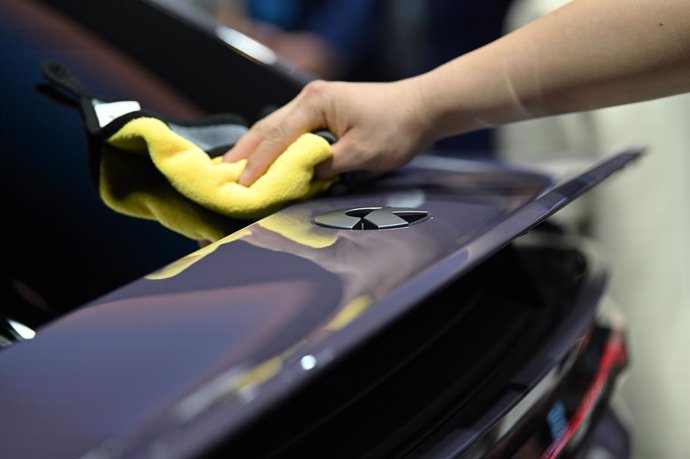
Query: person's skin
(588, 54)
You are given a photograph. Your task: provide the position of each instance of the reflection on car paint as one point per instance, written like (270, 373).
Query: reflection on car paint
(244, 384)
(179, 266)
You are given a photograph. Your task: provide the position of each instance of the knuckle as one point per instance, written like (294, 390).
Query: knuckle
(271, 133)
(314, 89)
(261, 127)
(276, 134)
(316, 100)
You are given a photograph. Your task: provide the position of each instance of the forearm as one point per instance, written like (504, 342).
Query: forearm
(589, 54)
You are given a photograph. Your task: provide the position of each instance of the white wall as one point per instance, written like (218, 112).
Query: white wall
(642, 220)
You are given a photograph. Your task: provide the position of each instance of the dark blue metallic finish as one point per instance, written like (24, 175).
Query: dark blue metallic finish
(226, 336)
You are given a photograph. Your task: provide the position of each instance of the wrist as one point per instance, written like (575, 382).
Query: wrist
(445, 105)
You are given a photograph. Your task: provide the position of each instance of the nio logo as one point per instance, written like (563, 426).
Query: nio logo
(371, 218)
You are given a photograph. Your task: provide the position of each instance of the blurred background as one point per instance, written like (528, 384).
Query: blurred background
(641, 219)
(642, 222)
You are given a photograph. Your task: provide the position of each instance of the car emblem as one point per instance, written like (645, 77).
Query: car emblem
(371, 218)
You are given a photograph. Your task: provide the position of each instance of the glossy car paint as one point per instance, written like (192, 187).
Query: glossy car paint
(164, 36)
(249, 318)
(52, 215)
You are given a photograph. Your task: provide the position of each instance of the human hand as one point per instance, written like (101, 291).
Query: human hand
(379, 126)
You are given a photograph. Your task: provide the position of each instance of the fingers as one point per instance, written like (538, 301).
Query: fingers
(268, 138)
(243, 148)
(272, 138)
(373, 123)
(261, 145)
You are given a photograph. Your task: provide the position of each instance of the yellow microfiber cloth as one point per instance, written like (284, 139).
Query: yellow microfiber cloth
(181, 265)
(183, 150)
(131, 185)
(213, 183)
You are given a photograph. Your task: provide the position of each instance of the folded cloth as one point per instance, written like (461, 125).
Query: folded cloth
(213, 183)
(131, 185)
(183, 152)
